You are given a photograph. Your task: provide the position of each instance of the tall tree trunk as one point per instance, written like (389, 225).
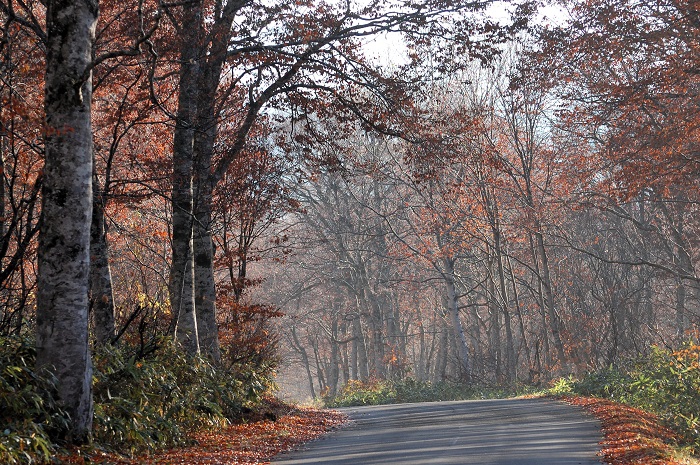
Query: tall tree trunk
(204, 286)
(420, 364)
(2, 195)
(453, 310)
(3, 228)
(554, 320)
(333, 369)
(344, 358)
(440, 372)
(511, 362)
(359, 348)
(64, 240)
(376, 326)
(207, 123)
(181, 285)
(101, 295)
(320, 372)
(686, 266)
(495, 326)
(305, 360)
(521, 322)
(475, 333)
(681, 319)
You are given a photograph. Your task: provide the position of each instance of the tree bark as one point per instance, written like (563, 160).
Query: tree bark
(440, 373)
(64, 240)
(305, 361)
(2, 195)
(494, 333)
(521, 323)
(453, 310)
(101, 294)
(554, 321)
(204, 285)
(359, 348)
(334, 369)
(511, 361)
(376, 326)
(181, 285)
(207, 123)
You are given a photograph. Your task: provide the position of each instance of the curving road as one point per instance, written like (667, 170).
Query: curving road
(483, 432)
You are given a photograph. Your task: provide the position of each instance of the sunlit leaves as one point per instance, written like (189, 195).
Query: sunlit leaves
(632, 436)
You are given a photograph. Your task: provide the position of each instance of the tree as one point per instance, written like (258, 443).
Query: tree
(64, 240)
(182, 271)
(302, 57)
(21, 159)
(628, 71)
(628, 82)
(121, 105)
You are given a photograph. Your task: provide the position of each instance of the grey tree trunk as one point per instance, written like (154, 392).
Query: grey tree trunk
(181, 285)
(511, 358)
(359, 347)
(554, 320)
(305, 361)
(344, 356)
(64, 240)
(376, 326)
(521, 323)
(334, 369)
(494, 333)
(204, 286)
(207, 123)
(440, 372)
(101, 294)
(420, 364)
(453, 309)
(2, 193)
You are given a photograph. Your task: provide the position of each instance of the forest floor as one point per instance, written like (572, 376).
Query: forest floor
(253, 442)
(632, 437)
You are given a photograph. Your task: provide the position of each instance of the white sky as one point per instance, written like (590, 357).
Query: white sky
(389, 49)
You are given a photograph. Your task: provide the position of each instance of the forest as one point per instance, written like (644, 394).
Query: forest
(199, 196)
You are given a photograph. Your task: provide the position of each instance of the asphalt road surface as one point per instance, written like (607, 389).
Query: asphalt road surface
(484, 432)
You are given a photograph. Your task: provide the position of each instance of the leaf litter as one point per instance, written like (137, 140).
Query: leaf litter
(631, 437)
(254, 442)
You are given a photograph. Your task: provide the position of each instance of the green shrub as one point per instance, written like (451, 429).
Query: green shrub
(140, 404)
(157, 402)
(666, 383)
(409, 390)
(28, 410)
(355, 393)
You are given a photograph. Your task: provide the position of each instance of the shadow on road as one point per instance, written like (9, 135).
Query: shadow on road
(487, 432)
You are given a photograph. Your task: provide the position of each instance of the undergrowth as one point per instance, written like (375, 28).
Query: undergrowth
(141, 403)
(666, 383)
(28, 411)
(407, 390)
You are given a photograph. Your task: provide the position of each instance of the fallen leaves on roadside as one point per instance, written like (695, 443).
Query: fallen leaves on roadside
(243, 444)
(632, 436)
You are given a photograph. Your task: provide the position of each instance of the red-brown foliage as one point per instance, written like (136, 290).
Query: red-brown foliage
(632, 436)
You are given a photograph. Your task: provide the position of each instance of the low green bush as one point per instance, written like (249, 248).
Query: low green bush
(28, 411)
(666, 383)
(408, 390)
(141, 404)
(152, 403)
(355, 393)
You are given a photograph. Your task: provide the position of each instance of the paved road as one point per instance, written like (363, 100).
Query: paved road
(484, 432)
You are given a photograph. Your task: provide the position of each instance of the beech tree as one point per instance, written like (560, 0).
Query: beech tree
(64, 240)
(291, 56)
(633, 102)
